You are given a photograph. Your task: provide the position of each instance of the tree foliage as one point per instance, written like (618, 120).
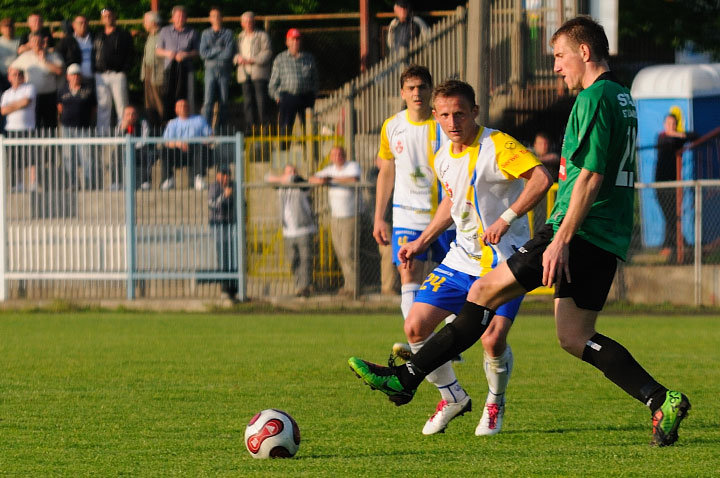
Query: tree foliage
(672, 23)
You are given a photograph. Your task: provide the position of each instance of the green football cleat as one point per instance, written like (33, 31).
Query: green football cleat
(381, 378)
(667, 418)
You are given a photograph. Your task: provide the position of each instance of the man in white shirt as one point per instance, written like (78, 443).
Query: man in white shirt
(18, 106)
(43, 69)
(343, 212)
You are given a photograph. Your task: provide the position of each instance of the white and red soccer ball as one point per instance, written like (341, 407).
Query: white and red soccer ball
(272, 434)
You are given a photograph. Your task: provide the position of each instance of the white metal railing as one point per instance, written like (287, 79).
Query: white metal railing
(63, 225)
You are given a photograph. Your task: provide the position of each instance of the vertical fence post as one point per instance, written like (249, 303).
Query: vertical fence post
(356, 242)
(240, 212)
(698, 243)
(130, 242)
(3, 208)
(350, 121)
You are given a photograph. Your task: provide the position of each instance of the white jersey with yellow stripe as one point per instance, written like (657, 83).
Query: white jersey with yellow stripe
(482, 182)
(412, 145)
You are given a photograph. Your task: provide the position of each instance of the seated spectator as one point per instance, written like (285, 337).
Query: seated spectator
(343, 201)
(77, 106)
(298, 226)
(132, 125)
(405, 27)
(43, 69)
(8, 45)
(17, 105)
(222, 219)
(178, 152)
(35, 24)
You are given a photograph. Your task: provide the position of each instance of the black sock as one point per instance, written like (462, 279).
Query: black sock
(472, 321)
(623, 370)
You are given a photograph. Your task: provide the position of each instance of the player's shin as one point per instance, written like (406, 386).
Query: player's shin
(619, 366)
(443, 377)
(497, 372)
(407, 297)
(472, 321)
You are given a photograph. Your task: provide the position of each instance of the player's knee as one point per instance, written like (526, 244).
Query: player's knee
(413, 329)
(493, 343)
(571, 343)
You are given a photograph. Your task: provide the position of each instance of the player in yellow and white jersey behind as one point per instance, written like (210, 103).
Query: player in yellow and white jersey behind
(481, 171)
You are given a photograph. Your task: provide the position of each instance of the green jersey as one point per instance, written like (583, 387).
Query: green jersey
(600, 137)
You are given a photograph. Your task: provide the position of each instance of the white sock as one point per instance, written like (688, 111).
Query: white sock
(407, 297)
(497, 372)
(450, 319)
(443, 377)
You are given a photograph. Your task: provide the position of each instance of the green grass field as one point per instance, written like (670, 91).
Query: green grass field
(137, 394)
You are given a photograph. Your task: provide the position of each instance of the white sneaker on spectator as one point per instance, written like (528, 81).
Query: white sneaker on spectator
(145, 186)
(168, 184)
(199, 183)
(115, 187)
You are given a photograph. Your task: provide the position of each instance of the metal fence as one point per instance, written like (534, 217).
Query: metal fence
(70, 236)
(99, 217)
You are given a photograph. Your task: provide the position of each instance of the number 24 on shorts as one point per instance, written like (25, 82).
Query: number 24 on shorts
(434, 281)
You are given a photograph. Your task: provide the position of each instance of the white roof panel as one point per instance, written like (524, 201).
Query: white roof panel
(677, 81)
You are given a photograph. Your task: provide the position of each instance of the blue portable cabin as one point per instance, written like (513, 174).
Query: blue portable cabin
(691, 92)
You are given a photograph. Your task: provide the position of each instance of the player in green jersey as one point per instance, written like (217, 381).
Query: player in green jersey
(578, 248)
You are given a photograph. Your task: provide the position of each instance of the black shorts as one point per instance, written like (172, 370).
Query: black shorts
(592, 269)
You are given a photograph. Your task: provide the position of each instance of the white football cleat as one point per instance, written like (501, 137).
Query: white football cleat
(444, 413)
(491, 420)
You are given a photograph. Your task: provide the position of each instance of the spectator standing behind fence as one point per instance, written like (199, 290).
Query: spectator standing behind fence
(221, 204)
(113, 60)
(78, 47)
(8, 45)
(298, 226)
(217, 50)
(132, 125)
(179, 152)
(669, 142)
(35, 25)
(179, 45)
(405, 27)
(293, 81)
(76, 106)
(43, 69)
(253, 70)
(17, 105)
(152, 72)
(342, 197)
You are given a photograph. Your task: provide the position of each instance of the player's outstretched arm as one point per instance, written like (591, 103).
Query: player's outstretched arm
(556, 256)
(538, 183)
(383, 191)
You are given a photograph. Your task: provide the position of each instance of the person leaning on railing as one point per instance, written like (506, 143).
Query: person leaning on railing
(342, 197)
(298, 226)
(17, 105)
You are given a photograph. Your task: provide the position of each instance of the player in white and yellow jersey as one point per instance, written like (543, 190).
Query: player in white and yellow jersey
(408, 142)
(482, 172)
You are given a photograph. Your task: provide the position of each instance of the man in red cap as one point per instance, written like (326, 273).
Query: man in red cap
(293, 81)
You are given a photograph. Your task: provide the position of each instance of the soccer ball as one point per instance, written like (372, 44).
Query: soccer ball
(272, 434)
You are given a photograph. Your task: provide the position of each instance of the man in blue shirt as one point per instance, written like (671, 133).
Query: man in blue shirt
(217, 49)
(179, 45)
(179, 152)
